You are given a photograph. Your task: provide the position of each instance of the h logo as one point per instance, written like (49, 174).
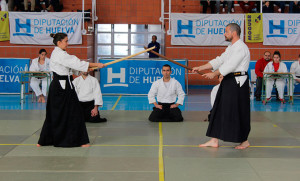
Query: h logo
(25, 26)
(121, 76)
(188, 27)
(273, 27)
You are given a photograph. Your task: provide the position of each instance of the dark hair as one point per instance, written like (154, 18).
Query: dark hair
(167, 65)
(42, 50)
(235, 27)
(299, 55)
(277, 53)
(154, 36)
(58, 37)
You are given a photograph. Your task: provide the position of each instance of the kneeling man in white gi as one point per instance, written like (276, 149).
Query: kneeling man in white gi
(90, 97)
(166, 90)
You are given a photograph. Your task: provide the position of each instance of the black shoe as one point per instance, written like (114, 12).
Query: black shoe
(258, 99)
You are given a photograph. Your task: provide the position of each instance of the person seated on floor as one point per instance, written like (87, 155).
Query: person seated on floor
(40, 64)
(166, 90)
(275, 66)
(295, 69)
(90, 97)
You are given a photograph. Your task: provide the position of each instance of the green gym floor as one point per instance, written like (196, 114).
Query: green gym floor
(130, 148)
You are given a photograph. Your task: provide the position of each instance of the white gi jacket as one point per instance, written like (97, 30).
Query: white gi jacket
(295, 68)
(62, 63)
(164, 94)
(270, 68)
(35, 65)
(88, 89)
(236, 58)
(280, 82)
(35, 82)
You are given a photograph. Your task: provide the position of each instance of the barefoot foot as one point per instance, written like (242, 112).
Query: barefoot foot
(211, 143)
(86, 145)
(243, 145)
(38, 145)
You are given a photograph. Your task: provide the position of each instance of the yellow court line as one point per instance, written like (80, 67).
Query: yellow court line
(115, 105)
(160, 155)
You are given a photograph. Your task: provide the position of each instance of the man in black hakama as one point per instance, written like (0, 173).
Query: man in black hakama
(230, 115)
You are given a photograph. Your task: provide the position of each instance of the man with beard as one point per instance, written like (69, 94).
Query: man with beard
(259, 69)
(230, 115)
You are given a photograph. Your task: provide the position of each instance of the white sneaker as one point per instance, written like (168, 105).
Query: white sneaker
(232, 10)
(223, 10)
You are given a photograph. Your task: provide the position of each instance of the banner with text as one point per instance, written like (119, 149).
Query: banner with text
(4, 26)
(202, 29)
(35, 28)
(281, 29)
(10, 75)
(136, 76)
(254, 28)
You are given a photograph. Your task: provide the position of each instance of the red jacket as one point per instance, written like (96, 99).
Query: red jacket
(260, 67)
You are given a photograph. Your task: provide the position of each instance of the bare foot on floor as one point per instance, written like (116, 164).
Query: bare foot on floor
(38, 145)
(243, 145)
(86, 145)
(211, 143)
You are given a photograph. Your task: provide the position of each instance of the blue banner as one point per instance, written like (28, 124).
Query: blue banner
(10, 75)
(281, 29)
(136, 76)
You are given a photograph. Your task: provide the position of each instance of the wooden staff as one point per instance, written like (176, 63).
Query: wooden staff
(181, 65)
(130, 56)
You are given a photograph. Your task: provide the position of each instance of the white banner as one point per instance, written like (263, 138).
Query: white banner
(281, 29)
(35, 28)
(202, 29)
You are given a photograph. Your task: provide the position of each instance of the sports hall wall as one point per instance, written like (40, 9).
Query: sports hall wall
(146, 12)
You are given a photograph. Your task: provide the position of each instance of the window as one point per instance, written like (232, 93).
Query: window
(121, 40)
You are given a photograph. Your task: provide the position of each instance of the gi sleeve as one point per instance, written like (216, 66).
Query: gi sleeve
(236, 58)
(153, 92)
(218, 61)
(33, 66)
(97, 93)
(293, 70)
(76, 83)
(284, 68)
(180, 93)
(73, 62)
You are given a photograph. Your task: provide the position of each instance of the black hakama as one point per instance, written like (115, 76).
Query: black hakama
(166, 114)
(64, 125)
(87, 108)
(230, 115)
